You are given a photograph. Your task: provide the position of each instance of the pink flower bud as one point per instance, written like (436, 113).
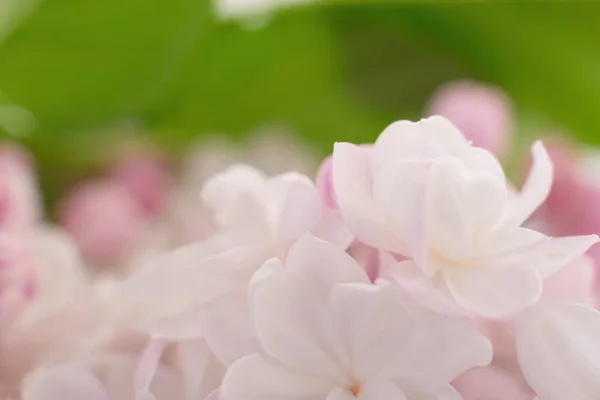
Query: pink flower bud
(19, 202)
(483, 114)
(147, 179)
(103, 218)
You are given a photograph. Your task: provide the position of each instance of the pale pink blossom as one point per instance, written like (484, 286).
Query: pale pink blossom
(482, 113)
(492, 382)
(104, 219)
(425, 193)
(327, 332)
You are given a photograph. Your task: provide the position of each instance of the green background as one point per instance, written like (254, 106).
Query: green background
(337, 70)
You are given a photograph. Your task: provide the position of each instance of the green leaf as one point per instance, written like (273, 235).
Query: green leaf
(77, 63)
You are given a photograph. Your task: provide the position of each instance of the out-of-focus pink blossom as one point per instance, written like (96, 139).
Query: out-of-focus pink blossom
(19, 202)
(103, 218)
(482, 113)
(148, 180)
(325, 184)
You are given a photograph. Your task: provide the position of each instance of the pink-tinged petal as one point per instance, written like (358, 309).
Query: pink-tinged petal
(324, 182)
(229, 329)
(429, 292)
(322, 264)
(448, 231)
(380, 390)
(558, 347)
(403, 190)
(340, 393)
(427, 138)
(445, 392)
(573, 283)
(237, 197)
(353, 185)
(558, 252)
(494, 292)
(368, 322)
(63, 382)
(534, 191)
(254, 378)
(293, 206)
(214, 395)
(481, 160)
(290, 326)
(333, 229)
(193, 359)
(146, 369)
(451, 344)
(482, 113)
(492, 382)
(366, 256)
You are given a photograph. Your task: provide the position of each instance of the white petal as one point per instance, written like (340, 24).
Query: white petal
(63, 382)
(429, 292)
(574, 283)
(440, 348)
(402, 189)
(535, 190)
(368, 322)
(427, 138)
(254, 378)
(229, 329)
(146, 368)
(558, 347)
(293, 206)
(290, 323)
(353, 186)
(481, 160)
(323, 264)
(448, 230)
(494, 292)
(193, 357)
(380, 390)
(485, 198)
(333, 229)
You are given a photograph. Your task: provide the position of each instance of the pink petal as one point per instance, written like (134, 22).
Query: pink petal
(491, 382)
(63, 382)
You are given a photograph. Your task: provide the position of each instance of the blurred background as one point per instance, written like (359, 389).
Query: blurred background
(86, 83)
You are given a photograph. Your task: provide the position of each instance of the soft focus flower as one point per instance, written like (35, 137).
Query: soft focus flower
(251, 209)
(327, 332)
(558, 348)
(147, 179)
(482, 113)
(103, 218)
(492, 382)
(425, 193)
(19, 202)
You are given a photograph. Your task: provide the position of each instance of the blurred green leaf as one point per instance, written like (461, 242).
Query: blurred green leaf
(77, 63)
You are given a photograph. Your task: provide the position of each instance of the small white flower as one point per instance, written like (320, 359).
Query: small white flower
(327, 333)
(424, 192)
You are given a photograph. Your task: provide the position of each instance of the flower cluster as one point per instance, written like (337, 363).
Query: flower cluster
(408, 269)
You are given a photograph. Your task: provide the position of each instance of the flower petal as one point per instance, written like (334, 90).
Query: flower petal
(380, 390)
(353, 186)
(368, 322)
(333, 229)
(492, 382)
(254, 378)
(494, 292)
(402, 189)
(293, 206)
(558, 347)
(451, 344)
(428, 292)
(535, 190)
(63, 382)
